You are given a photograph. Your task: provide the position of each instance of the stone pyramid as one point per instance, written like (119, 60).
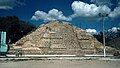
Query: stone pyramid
(57, 37)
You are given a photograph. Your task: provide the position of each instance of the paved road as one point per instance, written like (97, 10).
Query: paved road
(61, 64)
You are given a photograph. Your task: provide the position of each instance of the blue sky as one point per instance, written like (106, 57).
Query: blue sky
(68, 10)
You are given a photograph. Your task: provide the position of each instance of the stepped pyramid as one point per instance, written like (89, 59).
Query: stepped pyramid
(58, 37)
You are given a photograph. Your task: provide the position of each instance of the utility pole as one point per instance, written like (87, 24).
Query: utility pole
(103, 16)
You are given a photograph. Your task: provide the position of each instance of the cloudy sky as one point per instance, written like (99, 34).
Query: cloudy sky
(81, 13)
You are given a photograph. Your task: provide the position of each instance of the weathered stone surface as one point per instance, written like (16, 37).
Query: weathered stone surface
(59, 38)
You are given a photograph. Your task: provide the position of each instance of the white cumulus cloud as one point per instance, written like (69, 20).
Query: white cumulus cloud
(91, 31)
(53, 14)
(115, 13)
(88, 10)
(85, 11)
(114, 29)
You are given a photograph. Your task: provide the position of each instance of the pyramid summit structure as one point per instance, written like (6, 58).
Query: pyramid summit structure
(57, 37)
